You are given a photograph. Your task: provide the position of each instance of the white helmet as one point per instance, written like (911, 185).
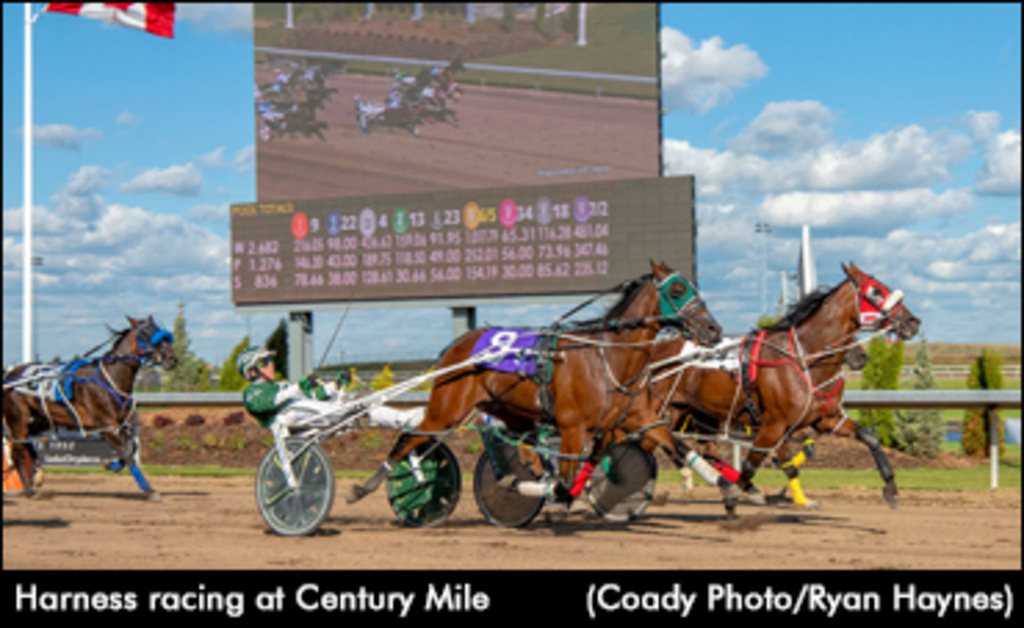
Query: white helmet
(251, 359)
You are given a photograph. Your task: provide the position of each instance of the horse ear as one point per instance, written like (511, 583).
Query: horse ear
(132, 321)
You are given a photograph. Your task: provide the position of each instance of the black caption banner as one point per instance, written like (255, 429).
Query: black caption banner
(469, 597)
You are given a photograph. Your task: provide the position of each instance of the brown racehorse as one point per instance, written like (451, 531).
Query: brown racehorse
(793, 377)
(598, 375)
(93, 395)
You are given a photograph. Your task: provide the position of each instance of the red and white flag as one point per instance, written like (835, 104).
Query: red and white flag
(154, 17)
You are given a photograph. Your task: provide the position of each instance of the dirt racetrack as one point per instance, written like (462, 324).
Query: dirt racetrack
(99, 521)
(505, 137)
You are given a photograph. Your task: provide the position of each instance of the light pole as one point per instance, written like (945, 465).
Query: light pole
(765, 228)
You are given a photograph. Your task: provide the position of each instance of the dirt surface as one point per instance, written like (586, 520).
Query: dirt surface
(100, 521)
(505, 137)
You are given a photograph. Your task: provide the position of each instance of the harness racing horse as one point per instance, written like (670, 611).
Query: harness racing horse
(585, 382)
(790, 376)
(93, 395)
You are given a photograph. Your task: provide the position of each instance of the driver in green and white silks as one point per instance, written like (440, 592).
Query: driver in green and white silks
(286, 406)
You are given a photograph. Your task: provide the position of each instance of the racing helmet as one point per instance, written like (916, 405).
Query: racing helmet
(251, 359)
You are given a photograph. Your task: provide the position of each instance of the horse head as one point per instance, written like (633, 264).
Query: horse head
(879, 307)
(145, 340)
(681, 305)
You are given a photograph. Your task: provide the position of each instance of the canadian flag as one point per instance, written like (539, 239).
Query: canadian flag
(154, 17)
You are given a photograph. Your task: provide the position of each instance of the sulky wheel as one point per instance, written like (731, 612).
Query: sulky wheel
(296, 512)
(501, 506)
(623, 482)
(424, 487)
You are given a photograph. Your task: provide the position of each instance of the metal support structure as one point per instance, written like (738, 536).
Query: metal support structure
(463, 320)
(300, 344)
(993, 444)
(807, 273)
(765, 228)
(581, 38)
(289, 14)
(27, 324)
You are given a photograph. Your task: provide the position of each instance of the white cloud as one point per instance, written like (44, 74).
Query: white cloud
(64, 136)
(242, 162)
(785, 128)
(858, 211)
(209, 213)
(1001, 173)
(80, 198)
(235, 19)
(244, 159)
(175, 180)
(699, 79)
(213, 159)
(903, 158)
(127, 118)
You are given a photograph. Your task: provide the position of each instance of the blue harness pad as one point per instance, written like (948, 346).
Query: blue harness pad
(516, 363)
(67, 378)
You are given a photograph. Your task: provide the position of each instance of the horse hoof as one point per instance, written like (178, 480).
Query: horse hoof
(755, 497)
(811, 505)
(356, 493)
(154, 497)
(892, 501)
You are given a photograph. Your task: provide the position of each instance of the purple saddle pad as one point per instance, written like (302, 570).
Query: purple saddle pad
(498, 337)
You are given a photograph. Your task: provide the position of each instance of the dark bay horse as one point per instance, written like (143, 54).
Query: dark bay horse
(790, 375)
(590, 377)
(89, 395)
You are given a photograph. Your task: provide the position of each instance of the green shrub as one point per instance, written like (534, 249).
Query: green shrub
(236, 442)
(186, 444)
(882, 372)
(986, 374)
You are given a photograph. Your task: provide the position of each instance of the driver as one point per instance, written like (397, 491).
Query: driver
(285, 406)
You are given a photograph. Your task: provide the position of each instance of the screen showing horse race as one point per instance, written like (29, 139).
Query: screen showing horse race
(369, 99)
(566, 238)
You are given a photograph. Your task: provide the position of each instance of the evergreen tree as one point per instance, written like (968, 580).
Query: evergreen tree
(277, 342)
(986, 374)
(191, 374)
(230, 378)
(921, 432)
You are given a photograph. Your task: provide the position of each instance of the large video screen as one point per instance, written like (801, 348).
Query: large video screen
(558, 239)
(368, 99)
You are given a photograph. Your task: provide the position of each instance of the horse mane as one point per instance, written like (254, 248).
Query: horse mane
(804, 308)
(118, 336)
(615, 311)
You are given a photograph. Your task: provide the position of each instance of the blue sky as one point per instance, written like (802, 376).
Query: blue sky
(894, 130)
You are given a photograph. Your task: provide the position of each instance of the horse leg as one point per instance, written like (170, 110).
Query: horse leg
(123, 443)
(686, 458)
(791, 467)
(843, 425)
(889, 493)
(768, 436)
(405, 444)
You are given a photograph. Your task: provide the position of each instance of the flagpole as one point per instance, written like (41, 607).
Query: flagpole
(27, 353)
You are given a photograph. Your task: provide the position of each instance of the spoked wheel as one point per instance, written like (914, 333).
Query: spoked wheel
(296, 512)
(623, 482)
(424, 487)
(498, 504)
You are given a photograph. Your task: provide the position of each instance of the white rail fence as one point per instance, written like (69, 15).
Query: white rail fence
(272, 52)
